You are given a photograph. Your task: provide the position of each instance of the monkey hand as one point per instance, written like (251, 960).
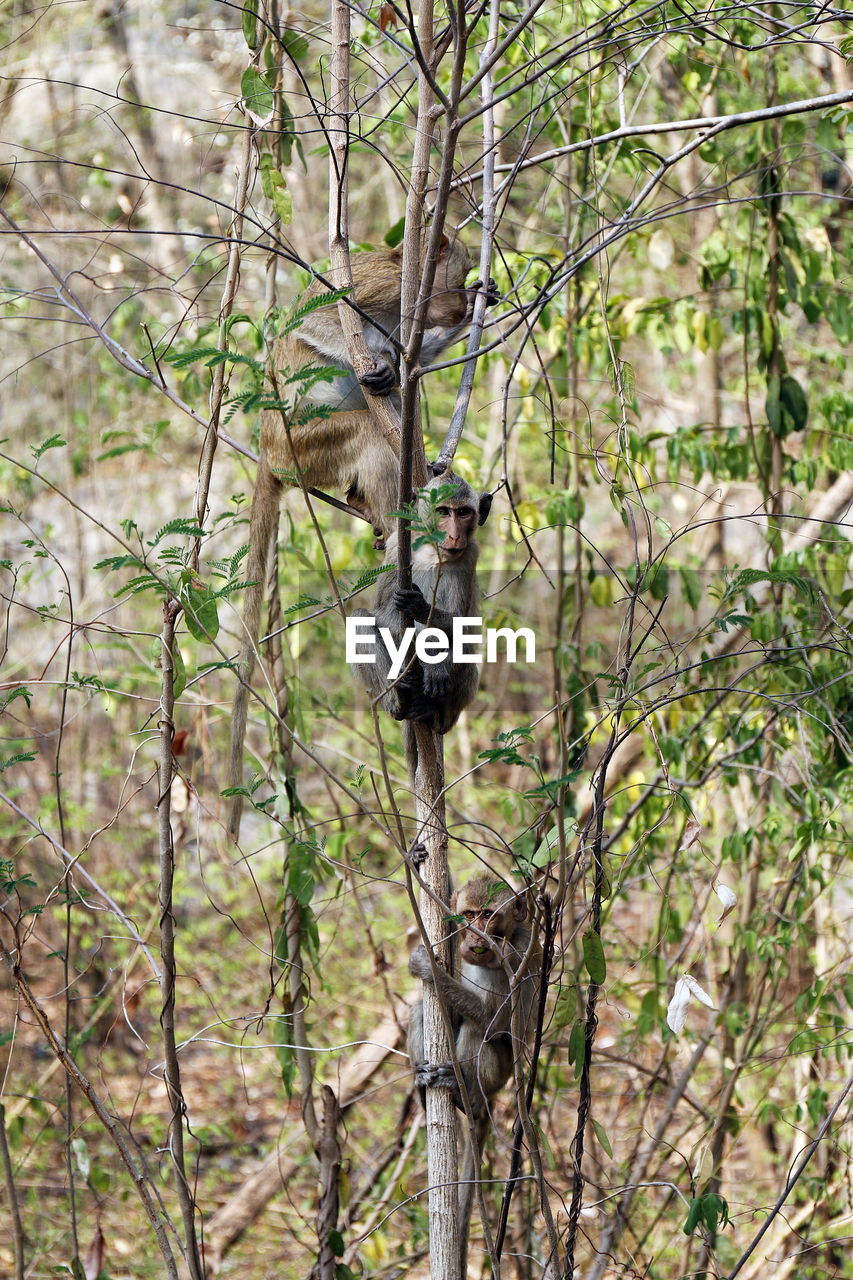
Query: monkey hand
(491, 289)
(417, 854)
(380, 380)
(423, 709)
(435, 1075)
(437, 680)
(411, 603)
(419, 964)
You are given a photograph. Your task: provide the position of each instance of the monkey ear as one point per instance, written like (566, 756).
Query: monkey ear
(519, 909)
(485, 507)
(444, 243)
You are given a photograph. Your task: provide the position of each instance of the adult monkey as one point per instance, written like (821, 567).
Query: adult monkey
(494, 950)
(343, 449)
(444, 587)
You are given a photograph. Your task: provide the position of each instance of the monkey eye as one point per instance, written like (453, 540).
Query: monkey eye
(442, 511)
(465, 513)
(483, 914)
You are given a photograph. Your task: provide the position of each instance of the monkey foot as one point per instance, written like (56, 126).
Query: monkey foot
(380, 380)
(435, 1075)
(418, 854)
(424, 711)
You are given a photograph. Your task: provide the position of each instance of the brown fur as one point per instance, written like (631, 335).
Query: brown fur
(345, 450)
(477, 996)
(444, 587)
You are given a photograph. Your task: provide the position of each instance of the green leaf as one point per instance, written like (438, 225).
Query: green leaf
(709, 1209)
(593, 956)
(603, 1140)
(551, 789)
(120, 562)
(21, 692)
(786, 405)
(294, 44)
(658, 582)
(767, 333)
(749, 577)
(693, 1215)
(183, 359)
(794, 403)
(606, 880)
(186, 528)
(336, 1243)
(305, 306)
(201, 612)
(250, 23)
(565, 1006)
(100, 1180)
(212, 356)
(576, 1044)
(121, 449)
(287, 1063)
(287, 136)
(691, 586)
(23, 757)
(282, 200)
(9, 882)
(394, 234)
(257, 94)
(52, 442)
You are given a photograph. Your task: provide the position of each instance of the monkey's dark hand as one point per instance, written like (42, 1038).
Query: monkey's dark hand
(423, 709)
(435, 1075)
(419, 965)
(437, 680)
(492, 293)
(380, 380)
(411, 602)
(417, 854)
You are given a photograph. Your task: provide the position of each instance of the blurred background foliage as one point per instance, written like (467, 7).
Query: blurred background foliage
(664, 405)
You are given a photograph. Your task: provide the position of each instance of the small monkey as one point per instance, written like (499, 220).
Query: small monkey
(444, 587)
(344, 450)
(494, 936)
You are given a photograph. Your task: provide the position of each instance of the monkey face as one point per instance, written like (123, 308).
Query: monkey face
(498, 923)
(456, 523)
(475, 950)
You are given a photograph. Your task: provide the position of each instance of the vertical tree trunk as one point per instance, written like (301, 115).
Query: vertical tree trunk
(442, 1167)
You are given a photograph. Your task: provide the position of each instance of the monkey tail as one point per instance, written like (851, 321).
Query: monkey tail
(410, 746)
(470, 1176)
(264, 517)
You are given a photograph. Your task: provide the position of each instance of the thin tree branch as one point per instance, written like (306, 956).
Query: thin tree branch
(171, 1070)
(710, 126)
